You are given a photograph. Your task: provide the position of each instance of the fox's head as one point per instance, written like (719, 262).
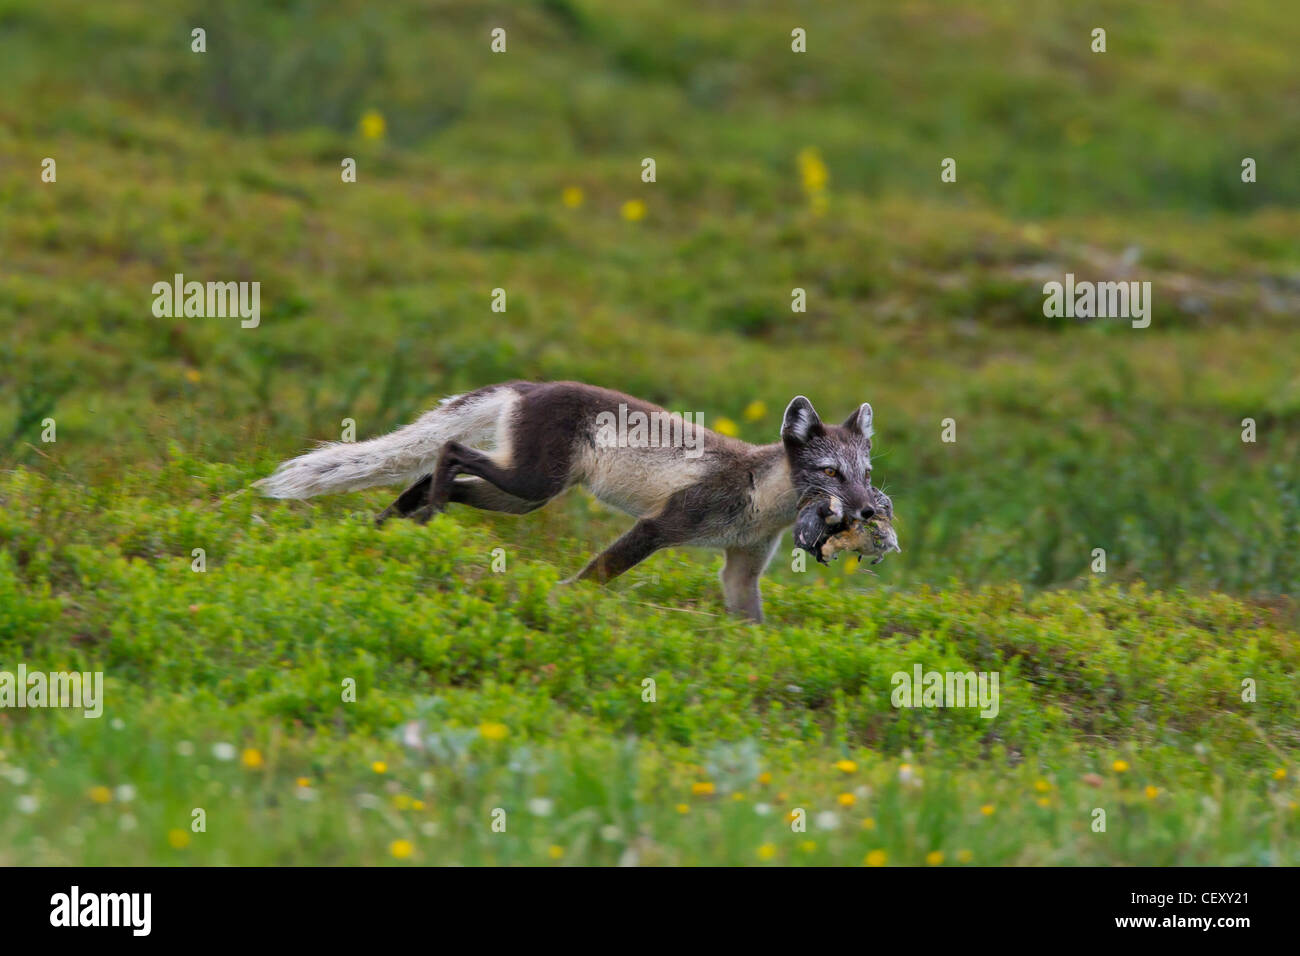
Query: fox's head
(830, 461)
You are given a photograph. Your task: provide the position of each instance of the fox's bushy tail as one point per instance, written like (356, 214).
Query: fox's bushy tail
(400, 457)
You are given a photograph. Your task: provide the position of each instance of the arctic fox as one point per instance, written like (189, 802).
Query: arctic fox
(515, 446)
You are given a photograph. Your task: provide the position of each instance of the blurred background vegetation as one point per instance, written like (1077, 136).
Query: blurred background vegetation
(924, 297)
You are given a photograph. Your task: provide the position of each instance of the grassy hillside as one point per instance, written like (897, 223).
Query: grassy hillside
(479, 689)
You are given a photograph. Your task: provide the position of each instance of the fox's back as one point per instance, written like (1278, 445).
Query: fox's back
(631, 454)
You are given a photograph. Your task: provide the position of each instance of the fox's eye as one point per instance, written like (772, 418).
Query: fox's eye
(830, 472)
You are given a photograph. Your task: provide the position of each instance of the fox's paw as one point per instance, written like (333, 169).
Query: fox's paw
(422, 515)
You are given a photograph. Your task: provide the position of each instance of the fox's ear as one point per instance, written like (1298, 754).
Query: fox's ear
(860, 420)
(800, 422)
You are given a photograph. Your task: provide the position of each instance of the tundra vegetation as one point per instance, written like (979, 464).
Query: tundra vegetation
(327, 692)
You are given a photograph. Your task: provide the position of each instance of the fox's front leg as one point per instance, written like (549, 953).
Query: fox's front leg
(745, 565)
(682, 519)
(640, 541)
(692, 514)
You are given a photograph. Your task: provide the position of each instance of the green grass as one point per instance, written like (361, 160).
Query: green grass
(924, 299)
(254, 652)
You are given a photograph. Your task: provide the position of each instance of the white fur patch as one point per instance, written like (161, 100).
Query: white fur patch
(638, 481)
(775, 498)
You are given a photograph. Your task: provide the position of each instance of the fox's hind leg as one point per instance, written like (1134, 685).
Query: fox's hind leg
(481, 494)
(407, 502)
(475, 492)
(529, 487)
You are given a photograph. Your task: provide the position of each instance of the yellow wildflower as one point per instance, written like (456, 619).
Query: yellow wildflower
(372, 124)
(812, 170)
